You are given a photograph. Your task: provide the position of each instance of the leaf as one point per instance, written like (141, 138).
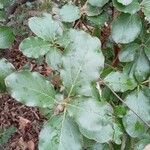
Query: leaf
(60, 133)
(45, 27)
(34, 47)
(5, 134)
(98, 3)
(128, 53)
(142, 69)
(126, 28)
(146, 9)
(54, 59)
(82, 62)
(92, 10)
(139, 102)
(99, 20)
(94, 118)
(69, 13)
(6, 37)
(133, 125)
(6, 68)
(117, 133)
(132, 8)
(31, 89)
(125, 2)
(142, 144)
(120, 82)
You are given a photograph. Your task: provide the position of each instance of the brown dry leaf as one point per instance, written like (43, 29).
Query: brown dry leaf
(23, 123)
(31, 145)
(147, 147)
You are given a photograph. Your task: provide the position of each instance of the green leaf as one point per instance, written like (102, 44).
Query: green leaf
(69, 13)
(142, 144)
(99, 20)
(117, 133)
(146, 9)
(6, 37)
(133, 125)
(120, 82)
(82, 62)
(31, 89)
(45, 27)
(5, 134)
(98, 146)
(6, 68)
(92, 10)
(98, 3)
(54, 59)
(132, 8)
(60, 133)
(139, 102)
(128, 53)
(93, 117)
(126, 28)
(142, 69)
(125, 2)
(34, 47)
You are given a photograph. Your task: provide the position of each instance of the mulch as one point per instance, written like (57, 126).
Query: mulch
(13, 113)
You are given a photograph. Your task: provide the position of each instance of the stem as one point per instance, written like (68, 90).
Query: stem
(125, 103)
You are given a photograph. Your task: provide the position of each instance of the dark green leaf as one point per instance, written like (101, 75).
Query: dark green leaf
(6, 37)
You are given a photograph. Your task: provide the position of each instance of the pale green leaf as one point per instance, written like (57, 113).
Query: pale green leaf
(133, 125)
(54, 59)
(126, 28)
(93, 117)
(45, 27)
(120, 82)
(6, 37)
(139, 102)
(60, 133)
(146, 9)
(6, 68)
(34, 47)
(82, 62)
(142, 144)
(128, 53)
(69, 13)
(31, 89)
(117, 133)
(132, 8)
(98, 3)
(125, 2)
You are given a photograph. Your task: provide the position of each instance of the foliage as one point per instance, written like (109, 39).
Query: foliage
(5, 134)
(98, 102)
